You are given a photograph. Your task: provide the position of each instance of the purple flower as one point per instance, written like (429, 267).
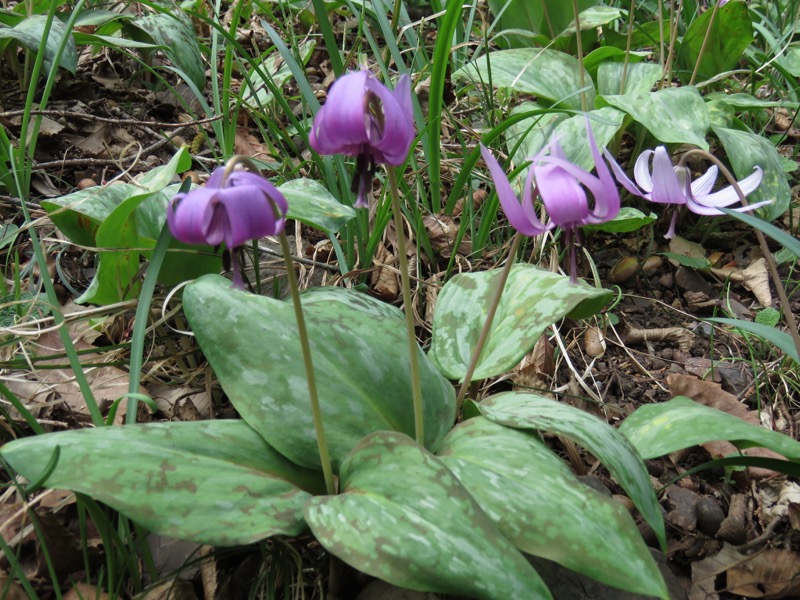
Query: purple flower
(667, 184)
(562, 187)
(228, 210)
(362, 118)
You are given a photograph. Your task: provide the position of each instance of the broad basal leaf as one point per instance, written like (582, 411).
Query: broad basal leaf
(640, 77)
(30, 32)
(310, 202)
(532, 300)
(360, 357)
(529, 411)
(403, 517)
(536, 501)
(717, 41)
(211, 482)
(746, 150)
(549, 74)
(672, 115)
(658, 429)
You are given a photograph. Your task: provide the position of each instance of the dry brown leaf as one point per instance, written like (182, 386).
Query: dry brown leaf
(384, 279)
(59, 385)
(536, 367)
(246, 144)
(10, 589)
(174, 401)
(756, 279)
(772, 573)
(177, 589)
(85, 591)
(683, 247)
(442, 232)
(704, 573)
(711, 394)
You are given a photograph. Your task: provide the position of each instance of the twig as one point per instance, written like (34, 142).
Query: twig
(116, 121)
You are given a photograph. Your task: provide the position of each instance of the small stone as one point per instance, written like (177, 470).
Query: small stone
(594, 482)
(667, 280)
(709, 515)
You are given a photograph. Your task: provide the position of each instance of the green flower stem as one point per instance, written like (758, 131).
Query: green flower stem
(316, 413)
(495, 302)
(579, 41)
(762, 242)
(705, 42)
(416, 385)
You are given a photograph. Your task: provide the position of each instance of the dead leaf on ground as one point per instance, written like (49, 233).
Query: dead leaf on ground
(10, 589)
(177, 589)
(711, 394)
(683, 247)
(246, 144)
(181, 403)
(537, 367)
(755, 278)
(772, 573)
(85, 591)
(442, 233)
(384, 278)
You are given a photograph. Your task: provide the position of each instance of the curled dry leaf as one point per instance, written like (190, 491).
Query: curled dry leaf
(755, 278)
(384, 278)
(711, 394)
(594, 342)
(771, 573)
(536, 367)
(442, 233)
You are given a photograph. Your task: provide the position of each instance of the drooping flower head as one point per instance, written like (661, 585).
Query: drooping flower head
(562, 187)
(230, 209)
(363, 118)
(659, 181)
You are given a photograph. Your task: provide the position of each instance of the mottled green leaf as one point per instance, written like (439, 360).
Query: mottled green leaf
(658, 429)
(175, 33)
(310, 202)
(403, 516)
(29, 33)
(532, 300)
(746, 150)
(594, 17)
(518, 481)
(529, 411)
(549, 74)
(716, 41)
(531, 135)
(544, 17)
(629, 219)
(672, 115)
(360, 355)
(640, 77)
(211, 482)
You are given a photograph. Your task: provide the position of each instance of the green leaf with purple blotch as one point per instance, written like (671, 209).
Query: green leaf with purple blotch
(533, 299)
(360, 354)
(211, 482)
(517, 481)
(403, 516)
(529, 411)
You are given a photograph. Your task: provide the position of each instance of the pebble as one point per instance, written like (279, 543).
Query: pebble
(709, 515)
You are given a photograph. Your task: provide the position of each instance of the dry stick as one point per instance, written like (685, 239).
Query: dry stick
(90, 117)
(762, 242)
(705, 42)
(493, 304)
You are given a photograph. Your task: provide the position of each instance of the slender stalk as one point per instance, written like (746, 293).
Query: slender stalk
(762, 242)
(628, 43)
(579, 41)
(705, 42)
(319, 428)
(493, 304)
(673, 20)
(416, 383)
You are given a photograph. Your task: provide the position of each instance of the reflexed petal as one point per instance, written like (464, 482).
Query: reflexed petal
(508, 199)
(621, 176)
(723, 196)
(705, 183)
(339, 126)
(641, 170)
(215, 180)
(189, 216)
(667, 187)
(562, 195)
(398, 128)
(606, 199)
(529, 194)
(249, 215)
